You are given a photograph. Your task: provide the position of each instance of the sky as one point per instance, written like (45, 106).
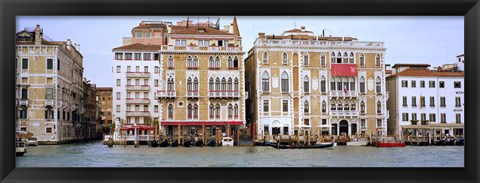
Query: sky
(435, 40)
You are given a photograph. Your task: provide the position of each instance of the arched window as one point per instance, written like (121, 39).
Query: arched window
(230, 110)
(265, 82)
(339, 57)
(210, 85)
(306, 62)
(189, 84)
(195, 111)
(265, 58)
(362, 60)
(195, 84)
(224, 84)
(378, 86)
(345, 57)
(333, 106)
(351, 80)
(332, 58)
(306, 108)
(170, 111)
(306, 84)
(217, 112)
(190, 111)
(212, 111)
(362, 84)
(235, 62)
(230, 62)
(217, 85)
(170, 84)
(189, 62)
(322, 60)
(323, 85)
(230, 83)
(211, 63)
(377, 60)
(332, 84)
(217, 62)
(170, 62)
(285, 85)
(353, 106)
(379, 107)
(235, 85)
(362, 107)
(324, 106)
(195, 62)
(351, 59)
(235, 111)
(285, 58)
(339, 106)
(346, 106)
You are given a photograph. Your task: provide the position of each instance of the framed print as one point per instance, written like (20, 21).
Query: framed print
(240, 91)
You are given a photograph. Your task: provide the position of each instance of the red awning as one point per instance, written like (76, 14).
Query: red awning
(344, 69)
(199, 123)
(139, 127)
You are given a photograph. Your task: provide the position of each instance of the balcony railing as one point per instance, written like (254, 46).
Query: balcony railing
(227, 94)
(48, 102)
(195, 48)
(138, 100)
(343, 94)
(138, 74)
(193, 93)
(138, 87)
(166, 93)
(320, 43)
(344, 113)
(363, 128)
(24, 102)
(138, 113)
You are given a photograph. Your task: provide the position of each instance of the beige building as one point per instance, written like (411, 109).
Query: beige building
(49, 87)
(301, 83)
(201, 80)
(104, 98)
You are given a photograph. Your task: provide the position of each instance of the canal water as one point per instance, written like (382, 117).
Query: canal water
(95, 154)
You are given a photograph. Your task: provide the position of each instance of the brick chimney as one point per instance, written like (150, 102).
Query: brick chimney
(38, 35)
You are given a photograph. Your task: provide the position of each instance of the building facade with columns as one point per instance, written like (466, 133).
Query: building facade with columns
(201, 79)
(49, 78)
(301, 83)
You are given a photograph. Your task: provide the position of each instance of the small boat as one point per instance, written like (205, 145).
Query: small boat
(187, 143)
(357, 142)
(227, 141)
(440, 143)
(20, 149)
(198, 143)
(164, 143)
(390, 142)
(174, 144)
(211, 143)
(32, 141)
(460, 142)
(154, 143)
(450, 142)
(316, 146)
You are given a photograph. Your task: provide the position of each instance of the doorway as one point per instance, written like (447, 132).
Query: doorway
(343, 127)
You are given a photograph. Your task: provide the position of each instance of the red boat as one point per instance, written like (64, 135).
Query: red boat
(389, 142)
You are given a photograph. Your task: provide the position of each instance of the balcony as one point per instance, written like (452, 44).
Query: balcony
(138, 87)
(23, 102)
(196, 48)
(49, 102)
(363, 128)
(193, 93)
(138, 74)
(138, 101)
(344, 113)
(343, 94)
(224, 94)
(138, 113)
(320, 43)
(192, 68)
(166, 93)
(232, 68)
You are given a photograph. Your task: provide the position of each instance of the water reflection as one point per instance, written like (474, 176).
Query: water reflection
(94, 154)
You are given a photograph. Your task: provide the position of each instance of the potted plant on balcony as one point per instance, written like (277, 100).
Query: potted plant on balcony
(414, 121)
(424, 122)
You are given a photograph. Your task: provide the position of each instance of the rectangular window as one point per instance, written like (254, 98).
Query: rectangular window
(58, 64)
(148, 34)
(48, 130)
(49, 63)
(432, 117)
(49, 93)
(422, 84)
(458, 118)
(441, 84)
(155, 56)
(457, 102)
(180, 42)
(128, 56)
(138, 56)
(118, 82)
(129, 82)
(443, 118)
(137, 69)
(423, 116)
(119, 69)
(422, 101)
(129, 68)
(442, 102)
(157, 70)
(431, 84)
(362, 123)
(414, 101)
(379, 123)
(155, 108)
(145, 69)
(405, 116)
(457, 84)
(156, 82)
(404, 84)
(265, 105)
(414, 84)
(404, 101)
(147, 56)
(145, 81)
(414, 116)
(118, 108)
(118, 95)
(138, 34)
(118, 56)
(432, 101)
(285, 105)
(24, 63)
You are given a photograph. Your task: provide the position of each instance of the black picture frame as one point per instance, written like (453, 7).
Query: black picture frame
(470, 9)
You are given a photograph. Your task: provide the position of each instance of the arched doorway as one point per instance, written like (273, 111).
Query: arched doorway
(343, 127)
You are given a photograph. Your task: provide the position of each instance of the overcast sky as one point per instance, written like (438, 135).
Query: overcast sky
(409, 39)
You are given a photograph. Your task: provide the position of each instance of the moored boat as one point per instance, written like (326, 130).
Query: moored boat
(198, 143)
(316, 146)
(389, 142)
(164, 143)
(460, 142)
(357, 142)
(153, 143)
(174, 144)
(187, 143)
(20, 148)
(450, 142)
(211, 143)
(227, 141)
